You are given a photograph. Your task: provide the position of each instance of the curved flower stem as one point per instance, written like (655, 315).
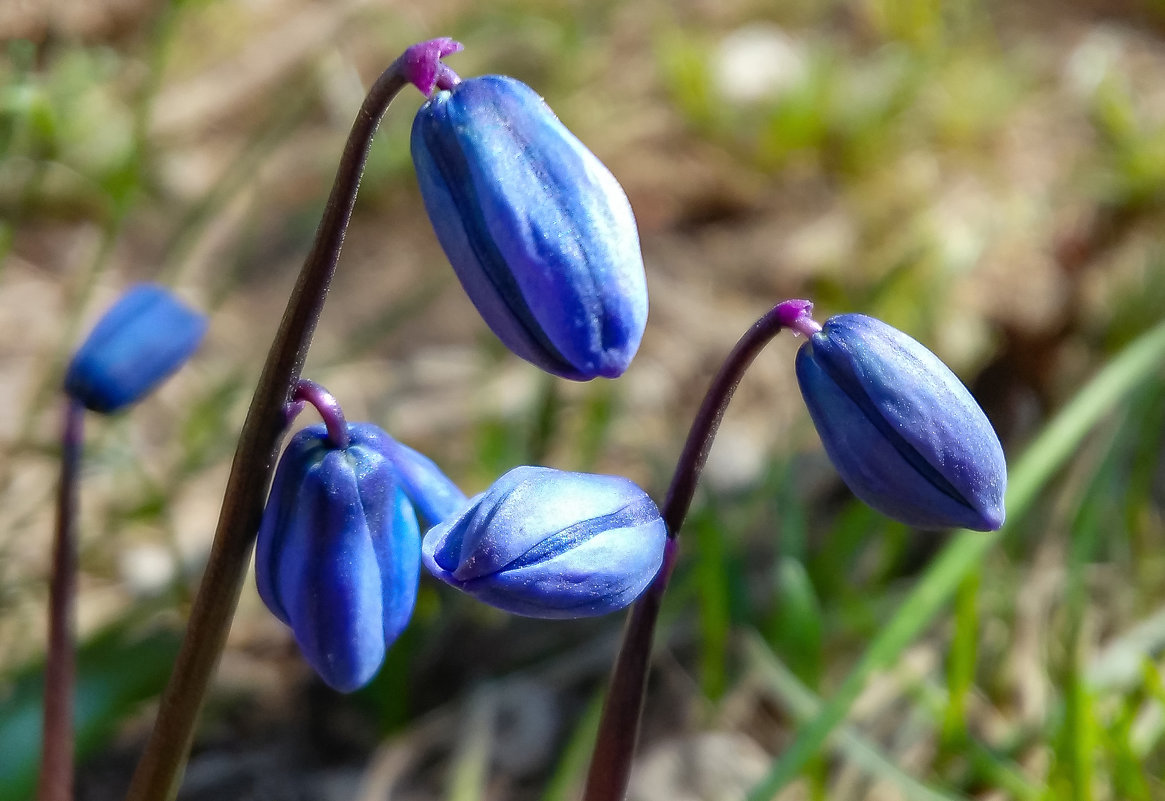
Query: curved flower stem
(326, 404)
(610, 766)
(159, 770)
(56, 767)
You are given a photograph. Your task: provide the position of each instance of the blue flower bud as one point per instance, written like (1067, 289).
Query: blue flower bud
(338, 552)
(551, 544)
(537, 229)
(147, 335)
(903, 431)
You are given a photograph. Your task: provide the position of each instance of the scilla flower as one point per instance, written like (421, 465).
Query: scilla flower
(537, 229)
(142, 339)
(903, 431)
(338, 552)
(551, 544)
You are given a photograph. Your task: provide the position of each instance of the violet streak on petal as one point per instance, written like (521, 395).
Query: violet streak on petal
(428, 489)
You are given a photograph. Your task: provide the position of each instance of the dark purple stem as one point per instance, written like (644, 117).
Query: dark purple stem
(160, 769)
(619, 725)
(56, 767)
(328, 407)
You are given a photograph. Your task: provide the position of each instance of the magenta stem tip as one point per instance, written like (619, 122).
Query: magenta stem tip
(422, 66)
(797, 315)
(308, 391)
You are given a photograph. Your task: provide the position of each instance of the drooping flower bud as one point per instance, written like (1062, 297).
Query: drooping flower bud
(903, 431)
(338, 551)
(551, 544)
(539, 232)
(143, 338)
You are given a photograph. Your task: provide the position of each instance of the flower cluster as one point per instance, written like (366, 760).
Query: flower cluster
(544, 243)
(339, 551)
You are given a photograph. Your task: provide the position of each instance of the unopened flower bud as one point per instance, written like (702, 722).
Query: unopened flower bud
(143, 338)
(551, 544)
(338, 552)
(903, 431)
(539, 232)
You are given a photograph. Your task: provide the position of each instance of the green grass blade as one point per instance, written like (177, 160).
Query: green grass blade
(797, 629)
(804, 704)
(1039, 463)
(571, 770)
(470, 765)
(715, 619)
(961, 661)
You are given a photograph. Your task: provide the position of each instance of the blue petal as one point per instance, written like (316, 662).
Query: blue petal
(283, 507)
(338, 552)
(427, 487)
(330, 579)
(396, 540)
(599, 575)
(147, 335)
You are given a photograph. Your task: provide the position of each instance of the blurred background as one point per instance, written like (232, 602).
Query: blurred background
(986, 176)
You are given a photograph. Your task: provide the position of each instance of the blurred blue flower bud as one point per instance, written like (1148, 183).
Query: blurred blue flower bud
(537, 229)
(147, 335)
(338, 552)
(551, 544)
(903, 431)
